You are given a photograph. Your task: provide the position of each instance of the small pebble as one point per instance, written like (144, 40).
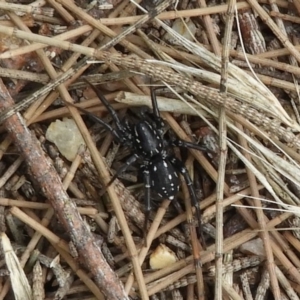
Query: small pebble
(66, 136)
(187, 30)
(162, 257)
(253, 247)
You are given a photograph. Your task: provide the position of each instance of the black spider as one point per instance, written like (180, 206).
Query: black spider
(146, 138)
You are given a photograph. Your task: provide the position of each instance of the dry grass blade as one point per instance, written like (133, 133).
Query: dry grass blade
(20, 284)
(243, 79)
(164, 104)
(208, 94)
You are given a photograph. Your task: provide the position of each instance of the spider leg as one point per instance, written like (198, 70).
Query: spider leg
(107, 105)
(180, 167)
(122, 169)
(156, 114)
(147, 186)
(100, 121)
(185, 144)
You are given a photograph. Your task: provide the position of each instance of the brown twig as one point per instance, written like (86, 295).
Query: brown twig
(50, 183)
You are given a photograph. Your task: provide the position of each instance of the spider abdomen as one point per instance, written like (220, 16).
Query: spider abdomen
(163, 178)
(147, 139)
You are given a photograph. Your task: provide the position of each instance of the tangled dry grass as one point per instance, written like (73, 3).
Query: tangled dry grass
(231, 73)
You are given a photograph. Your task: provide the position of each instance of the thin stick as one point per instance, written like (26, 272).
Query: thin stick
(229, 244)
(37, 205)
(70, 34)
(153, 229)
(102, 172)
(24, 75)
(272, 25)
(260, 215)
(210, 29)
(87, 245)
(26, 9)
(223, 155)
(170, 15)
(153, 13)
(194, 87)
(59, 243)
(194, 238)
(49, 181)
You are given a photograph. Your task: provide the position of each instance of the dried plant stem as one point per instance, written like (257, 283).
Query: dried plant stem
(207, 256)
(81, 236)
(277, 251)
(193, 234)
(170, 15)
(62, 12)
(231, 292)
(102, 172)
(181, 268)
(49, 181)
(276, 82)
(223, 156)
(34, 224)
(284, 282)
(58, 244)
(297, 5)
(63, 111)
(29, 9)
(197, 154)
(37, 205)
(261, 221)
(294, 242)
(229, 244)
(283, 242)
(98, 25)
(235, 108)
(36, 109)
(158, 9)
(71, 34)
(255, 59)
(210, 95)
(272, 25)
(24, 75)
(285, 17)
(209, 213)
(11, 170)
(30, 247)
(210, 30)
(143, 252)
